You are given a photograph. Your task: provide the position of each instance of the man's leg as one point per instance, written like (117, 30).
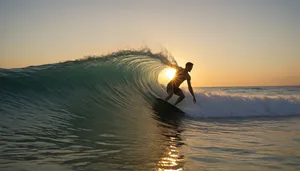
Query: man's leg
(170, 91)
(181, 96)
(170, 94)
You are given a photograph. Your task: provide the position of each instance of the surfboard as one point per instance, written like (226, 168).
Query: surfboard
(164, 106)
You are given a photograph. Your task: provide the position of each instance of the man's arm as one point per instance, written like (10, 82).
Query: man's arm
(191, 89)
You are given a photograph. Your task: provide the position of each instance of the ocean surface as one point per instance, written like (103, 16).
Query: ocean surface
(98, 114)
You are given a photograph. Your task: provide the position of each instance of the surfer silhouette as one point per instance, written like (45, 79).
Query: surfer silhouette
(180, 76)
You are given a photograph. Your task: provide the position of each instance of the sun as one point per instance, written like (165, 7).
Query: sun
(166, 75)
(170, 73)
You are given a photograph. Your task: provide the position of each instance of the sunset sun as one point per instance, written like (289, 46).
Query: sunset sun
(169, 73)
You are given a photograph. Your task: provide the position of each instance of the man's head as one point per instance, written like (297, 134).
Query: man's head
(189, 66)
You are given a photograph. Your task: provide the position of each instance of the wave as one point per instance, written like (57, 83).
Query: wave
(113, 77)
(224, 105)
(121, 82)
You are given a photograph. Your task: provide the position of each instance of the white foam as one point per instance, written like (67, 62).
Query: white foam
(226, 105)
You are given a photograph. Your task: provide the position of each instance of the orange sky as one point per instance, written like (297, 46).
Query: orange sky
(237, 43)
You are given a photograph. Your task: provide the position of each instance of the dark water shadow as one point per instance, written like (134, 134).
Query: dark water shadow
(167, 113)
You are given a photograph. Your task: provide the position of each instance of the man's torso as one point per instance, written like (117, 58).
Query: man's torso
(180, 76)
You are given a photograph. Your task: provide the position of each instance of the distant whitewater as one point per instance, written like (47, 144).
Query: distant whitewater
(96, 114)
(244, 102)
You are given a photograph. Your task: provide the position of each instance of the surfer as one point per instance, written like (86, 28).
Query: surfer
(180, 76)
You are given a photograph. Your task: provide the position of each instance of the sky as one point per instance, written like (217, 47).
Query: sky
(230, 42)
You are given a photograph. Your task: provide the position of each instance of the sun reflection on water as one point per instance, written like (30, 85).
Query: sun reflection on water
(172, 161)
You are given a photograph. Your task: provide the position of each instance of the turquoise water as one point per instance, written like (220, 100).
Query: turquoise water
(97, 114)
